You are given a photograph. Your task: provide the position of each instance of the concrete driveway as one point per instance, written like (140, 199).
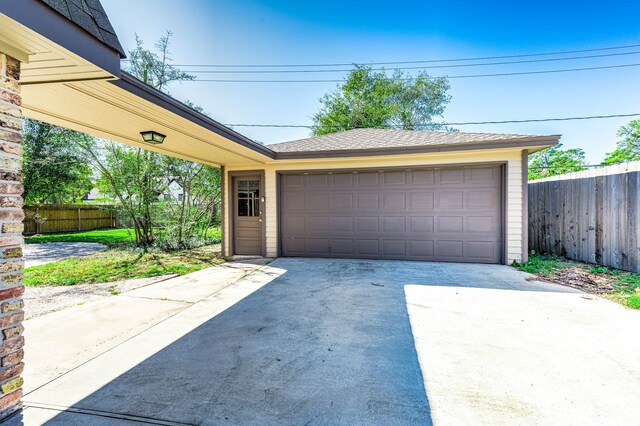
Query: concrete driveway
(312, 341)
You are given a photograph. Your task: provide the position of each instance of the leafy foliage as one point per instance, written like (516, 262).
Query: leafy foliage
(628, 148)
(139, 179)
(369, 99)
(54, 170)
(556, 161)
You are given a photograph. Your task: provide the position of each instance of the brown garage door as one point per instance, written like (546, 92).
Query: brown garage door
(435, 214)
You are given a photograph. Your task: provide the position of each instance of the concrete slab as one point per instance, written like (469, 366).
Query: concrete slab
(63, 340)
(330, 341)
(504, 357)
(60, 341)
(70, 389)
(198, 285)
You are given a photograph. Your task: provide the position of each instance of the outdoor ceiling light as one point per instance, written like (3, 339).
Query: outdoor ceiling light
(152, 137)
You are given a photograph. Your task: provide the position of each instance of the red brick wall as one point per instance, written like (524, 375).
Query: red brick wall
(11, 215)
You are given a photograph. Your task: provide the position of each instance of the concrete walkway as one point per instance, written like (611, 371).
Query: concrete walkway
(39, 254)
(322, 341)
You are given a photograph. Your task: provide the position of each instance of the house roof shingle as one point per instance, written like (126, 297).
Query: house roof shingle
(90, 16)
(387, 139)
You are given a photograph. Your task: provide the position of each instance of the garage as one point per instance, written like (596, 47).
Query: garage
(448, 213)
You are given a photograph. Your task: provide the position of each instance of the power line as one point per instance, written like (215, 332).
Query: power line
(467, 123)
(481, 58)
(527, 61)
(430, 77)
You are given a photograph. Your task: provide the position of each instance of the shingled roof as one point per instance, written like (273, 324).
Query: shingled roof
(90, 16)
(386, 139)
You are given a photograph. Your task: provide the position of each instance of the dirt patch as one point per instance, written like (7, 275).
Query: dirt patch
(582, 279)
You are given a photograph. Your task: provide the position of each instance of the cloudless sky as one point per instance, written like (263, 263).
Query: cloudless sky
(309, 32)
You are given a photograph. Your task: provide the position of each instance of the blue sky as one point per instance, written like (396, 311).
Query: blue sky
(308, 32)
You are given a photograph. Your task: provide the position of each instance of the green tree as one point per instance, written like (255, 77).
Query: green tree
(54, 169)
(628, 148)
(556, 161)
(139, 178)
(370, 99)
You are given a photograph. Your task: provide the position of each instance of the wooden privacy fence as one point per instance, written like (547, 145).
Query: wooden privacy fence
(593, 219)
(42, 219)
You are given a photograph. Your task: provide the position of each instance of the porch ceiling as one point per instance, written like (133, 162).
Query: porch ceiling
(113, 110)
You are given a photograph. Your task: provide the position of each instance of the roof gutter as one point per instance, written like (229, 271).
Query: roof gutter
(132, 85)
(540, 142)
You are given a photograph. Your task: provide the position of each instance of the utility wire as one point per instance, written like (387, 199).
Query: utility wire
(467, 123)
(481, 58)
(526, 61)
(430, 77)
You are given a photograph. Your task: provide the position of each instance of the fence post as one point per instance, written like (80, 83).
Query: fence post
(36, 219)
(79, 220)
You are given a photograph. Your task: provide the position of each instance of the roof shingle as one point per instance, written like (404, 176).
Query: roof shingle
(90, 16)
(387, 139)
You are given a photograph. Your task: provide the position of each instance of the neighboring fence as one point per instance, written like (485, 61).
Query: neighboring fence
(594, 216)
(42, 219)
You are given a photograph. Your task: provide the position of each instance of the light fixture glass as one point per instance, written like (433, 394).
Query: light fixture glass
(152, 137)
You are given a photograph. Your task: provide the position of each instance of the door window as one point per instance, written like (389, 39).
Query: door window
(248, 196)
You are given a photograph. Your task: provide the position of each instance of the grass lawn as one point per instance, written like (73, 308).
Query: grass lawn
(118, 264)
(109, 237)
(121, 261)
(620, 286)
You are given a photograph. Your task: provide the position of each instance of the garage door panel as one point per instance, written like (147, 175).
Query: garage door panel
(421, 223)
(394, 178)
(452, 250)
(294, 246)
(482, 224)
(317, 246)
(421, 201)
(394, 224)
(317, 202)
(482, 199)
(394, 249)
(422, 177)
(341, 224)
(342, 180)
(433, 214)
(317, 224)
(368, 224)
(342, 247)
(450, 200)
(368, 179)
(293, 181)
(482, 175)
(365, 201)
(394, 200)
(318, 181)
(342, 201)
(294, 225)
(423, 249)
(293, 202)
(450, 224)
(368, 247)
(481, 250)
(451, 176)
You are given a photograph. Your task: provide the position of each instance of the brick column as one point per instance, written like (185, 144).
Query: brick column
(11, 227)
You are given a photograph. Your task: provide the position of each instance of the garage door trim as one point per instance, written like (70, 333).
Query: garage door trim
(503, 197)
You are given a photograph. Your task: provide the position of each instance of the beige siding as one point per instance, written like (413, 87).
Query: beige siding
(513, 158)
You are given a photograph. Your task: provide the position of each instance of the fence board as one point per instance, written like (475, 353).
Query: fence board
(592, 219)
(42, 219)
